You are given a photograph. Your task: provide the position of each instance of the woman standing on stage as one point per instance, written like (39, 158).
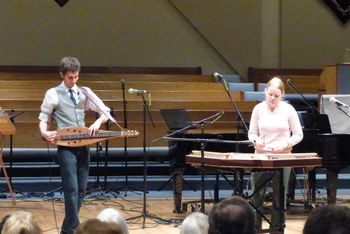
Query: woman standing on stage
(274, 128)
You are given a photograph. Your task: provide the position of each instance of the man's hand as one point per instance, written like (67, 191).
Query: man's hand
(49, 135)
(93, 129)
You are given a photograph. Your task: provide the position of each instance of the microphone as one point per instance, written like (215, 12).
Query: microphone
(123, 83)
(218, 76)
(136, 91)
(149, 100)
(337, 102)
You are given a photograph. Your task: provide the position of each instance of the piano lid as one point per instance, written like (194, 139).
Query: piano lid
(315, 123)
(339, 121)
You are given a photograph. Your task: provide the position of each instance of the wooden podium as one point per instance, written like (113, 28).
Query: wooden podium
(336, 78)
(6, 128)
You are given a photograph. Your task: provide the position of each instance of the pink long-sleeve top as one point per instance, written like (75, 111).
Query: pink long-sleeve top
(279, 128)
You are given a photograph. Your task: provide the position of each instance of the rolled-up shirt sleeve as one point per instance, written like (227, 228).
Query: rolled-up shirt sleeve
(48, 105)
(95, 103)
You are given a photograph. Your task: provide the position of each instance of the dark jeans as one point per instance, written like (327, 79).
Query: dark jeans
(74, 167)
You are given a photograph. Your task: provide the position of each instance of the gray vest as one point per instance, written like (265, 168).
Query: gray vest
(66, 114)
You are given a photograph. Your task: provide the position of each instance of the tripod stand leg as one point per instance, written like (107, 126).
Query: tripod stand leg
(6, 177)
(172, 178)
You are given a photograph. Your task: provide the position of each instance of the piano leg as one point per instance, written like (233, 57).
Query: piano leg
(332, 185)
(178, 187)
(311, 194)
(291, 186)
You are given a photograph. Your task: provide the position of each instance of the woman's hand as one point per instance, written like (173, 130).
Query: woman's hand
(259, 145)
(280, 147)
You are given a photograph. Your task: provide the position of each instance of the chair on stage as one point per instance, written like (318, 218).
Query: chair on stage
(6, 128)
(260, 87)
(252, 95)
(232, 87)
(229, 78)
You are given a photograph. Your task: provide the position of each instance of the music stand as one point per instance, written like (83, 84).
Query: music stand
(175, 119)
(6, 128)
(200, 124)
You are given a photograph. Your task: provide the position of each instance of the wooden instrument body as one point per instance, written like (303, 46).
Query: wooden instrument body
(77, 137)
(6, 125)
(247, 160)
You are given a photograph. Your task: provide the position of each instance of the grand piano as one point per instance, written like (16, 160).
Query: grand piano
(332, 147)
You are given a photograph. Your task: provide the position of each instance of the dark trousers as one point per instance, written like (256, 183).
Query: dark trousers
(74, 168)
(258, 179)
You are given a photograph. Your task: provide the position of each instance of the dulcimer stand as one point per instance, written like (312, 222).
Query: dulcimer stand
(6, 128)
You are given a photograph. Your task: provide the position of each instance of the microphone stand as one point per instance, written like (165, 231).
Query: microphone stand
(145, 214)
(342, 110)
(238, 182)
(106, 162)
(311, 173)
(97, 187)
(290, 84)
(235, 106)
(125, 113)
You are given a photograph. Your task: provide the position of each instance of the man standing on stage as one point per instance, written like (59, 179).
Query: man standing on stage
(66, 104)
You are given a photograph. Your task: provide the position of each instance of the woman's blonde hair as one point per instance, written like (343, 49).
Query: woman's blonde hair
(276, 82)
(21, 222)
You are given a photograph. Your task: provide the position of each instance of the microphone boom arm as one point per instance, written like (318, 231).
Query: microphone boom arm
(290, 84)
(235, 106)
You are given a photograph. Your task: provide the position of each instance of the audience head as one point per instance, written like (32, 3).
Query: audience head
(111, 215)
(195, 223)
(232, 215)
(330, 219)
(3, 220)
(21, 222)
(93, 226)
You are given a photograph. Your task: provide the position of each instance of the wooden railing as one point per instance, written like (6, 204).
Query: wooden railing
(305, 80)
